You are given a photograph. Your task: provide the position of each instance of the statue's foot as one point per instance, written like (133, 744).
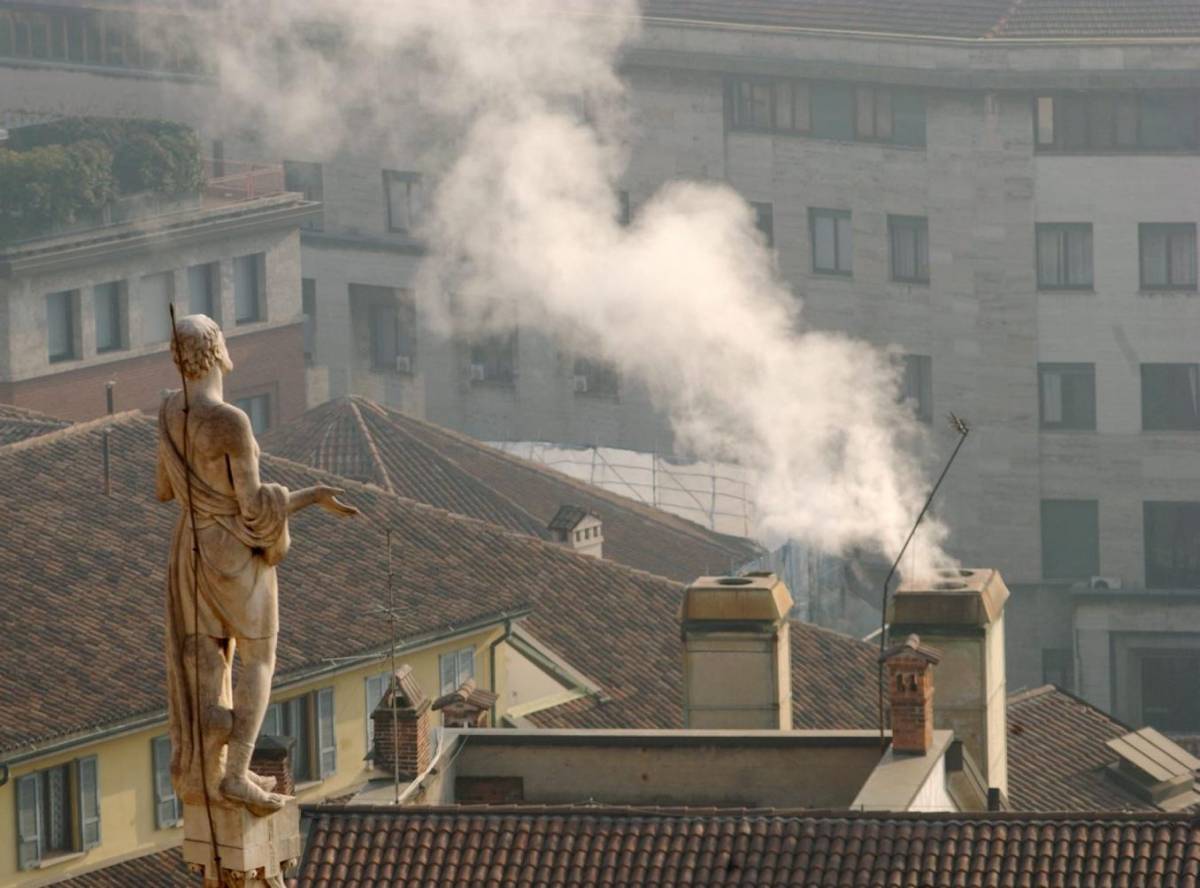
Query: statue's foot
(258, 801)
(265, 782)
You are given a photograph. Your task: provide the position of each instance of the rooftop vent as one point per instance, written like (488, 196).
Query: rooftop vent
(578, 528)
(1156, 769)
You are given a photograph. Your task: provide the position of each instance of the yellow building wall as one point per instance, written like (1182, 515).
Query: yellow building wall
(126, 766)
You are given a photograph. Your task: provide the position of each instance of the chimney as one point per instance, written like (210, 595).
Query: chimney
(272, 757)
(910, 691)
(404, 741)
(961, 612)
(578, 528)
(737, 665)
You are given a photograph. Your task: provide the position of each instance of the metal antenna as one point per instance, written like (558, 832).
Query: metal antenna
(395, 723)
(960, 426)
(187, 468)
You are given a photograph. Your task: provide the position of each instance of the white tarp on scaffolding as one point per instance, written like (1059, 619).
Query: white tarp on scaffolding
(712, 494)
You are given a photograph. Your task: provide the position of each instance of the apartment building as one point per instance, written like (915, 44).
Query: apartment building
(1007, 195)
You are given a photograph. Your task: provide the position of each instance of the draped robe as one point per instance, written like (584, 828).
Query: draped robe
(232, 595)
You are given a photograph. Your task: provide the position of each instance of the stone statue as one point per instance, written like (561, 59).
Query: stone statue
(230, 603)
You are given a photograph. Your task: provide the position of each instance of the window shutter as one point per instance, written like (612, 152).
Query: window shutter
(376, 686)
(326, 739)
(466, 665)
(448, 671)
(88, 780)
(29, 836)
(166, 804)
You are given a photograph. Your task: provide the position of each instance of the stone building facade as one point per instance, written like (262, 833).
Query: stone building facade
(1008, 199)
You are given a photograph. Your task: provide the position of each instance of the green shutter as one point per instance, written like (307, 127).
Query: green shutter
(326, 738)
(376, 687)
(166, 804)
(29, 809)
(88, 780)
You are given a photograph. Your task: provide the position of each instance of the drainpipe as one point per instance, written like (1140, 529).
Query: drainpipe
(492, 663)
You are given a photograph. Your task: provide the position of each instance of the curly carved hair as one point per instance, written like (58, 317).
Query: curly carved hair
(198, 346)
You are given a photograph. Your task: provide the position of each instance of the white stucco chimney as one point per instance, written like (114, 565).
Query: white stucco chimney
(961, 614)
(737, 664)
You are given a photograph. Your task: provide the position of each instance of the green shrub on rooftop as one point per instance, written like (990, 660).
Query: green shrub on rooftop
(52, 186)
(53, 174)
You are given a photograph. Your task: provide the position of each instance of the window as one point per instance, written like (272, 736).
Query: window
(764, 221)
(832, 111)
(494, 358)
(402, 190)
(1130, 122)
(1170, 397)
(827, 110)
(58, 811)
(596, 378)
(832, 241)
(456, 667)
(156, 292)
(624, 210)
(1171, 690)
(1172, 539)
(202, 290)
(248, 274)
(1064, 256)
(308, 305)
(309, 721)
(909, 237)
(308, 179)
(258, 409)
(62, 325)
(110, 317)
(376, 687)
(918, 385)
(1067, 396)
(1070, 539)
(1058, 667)
(1168, 256)
(387, 321)
(168, 811)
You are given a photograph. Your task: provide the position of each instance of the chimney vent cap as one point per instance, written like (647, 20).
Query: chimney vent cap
(748, 599)
(912, 646)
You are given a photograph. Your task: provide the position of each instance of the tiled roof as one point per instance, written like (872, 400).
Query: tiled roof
(639, 667)
(363, 847)
(81, 577)
(17, 424)
(355, 437)
(163, 869)
(963, 19)
(1058, 755)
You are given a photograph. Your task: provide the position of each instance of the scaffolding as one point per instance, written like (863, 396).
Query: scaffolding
(713, 494)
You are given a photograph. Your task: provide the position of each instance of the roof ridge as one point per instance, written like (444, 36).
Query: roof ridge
(372, 449)
(607, 810)
(1020, 696)
(70, 431)
(668, 520)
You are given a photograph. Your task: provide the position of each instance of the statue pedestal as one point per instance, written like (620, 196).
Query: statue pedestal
(255, 851)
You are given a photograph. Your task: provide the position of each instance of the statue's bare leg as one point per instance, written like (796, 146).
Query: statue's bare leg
(250, 699)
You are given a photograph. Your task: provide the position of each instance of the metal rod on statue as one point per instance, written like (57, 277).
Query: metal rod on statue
(196, 713)
(963, 430)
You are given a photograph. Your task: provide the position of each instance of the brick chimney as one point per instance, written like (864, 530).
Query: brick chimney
(910, 691)
(961, 613)
(406, 738)
(737, 664)
(273, 758)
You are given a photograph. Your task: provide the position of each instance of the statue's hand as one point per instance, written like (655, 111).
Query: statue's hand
(327, 499)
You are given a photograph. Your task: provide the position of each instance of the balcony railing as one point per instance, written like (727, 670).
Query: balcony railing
(229, 181)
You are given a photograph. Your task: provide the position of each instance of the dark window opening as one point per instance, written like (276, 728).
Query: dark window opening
(1070, 539)
(1171, 397)
(1172, 540)
(832, 241)
(1168, 256)
(1064, 256)
(1067, 396)
(909, 236)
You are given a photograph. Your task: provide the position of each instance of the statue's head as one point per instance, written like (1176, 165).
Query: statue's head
(198, 347)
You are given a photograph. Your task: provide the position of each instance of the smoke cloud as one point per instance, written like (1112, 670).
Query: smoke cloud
(517, 109)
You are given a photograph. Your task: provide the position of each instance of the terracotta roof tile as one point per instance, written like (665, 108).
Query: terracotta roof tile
(83, 574)
(17, 424)
(163, 869)
(583, 847)
(355, 437)
(963, 19)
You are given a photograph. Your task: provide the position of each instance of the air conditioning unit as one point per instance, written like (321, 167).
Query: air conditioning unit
(1105, 583)
(478, 373)
(581, 383)
(403, 364)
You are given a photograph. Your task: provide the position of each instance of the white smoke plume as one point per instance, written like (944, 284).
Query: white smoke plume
(518, 109)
